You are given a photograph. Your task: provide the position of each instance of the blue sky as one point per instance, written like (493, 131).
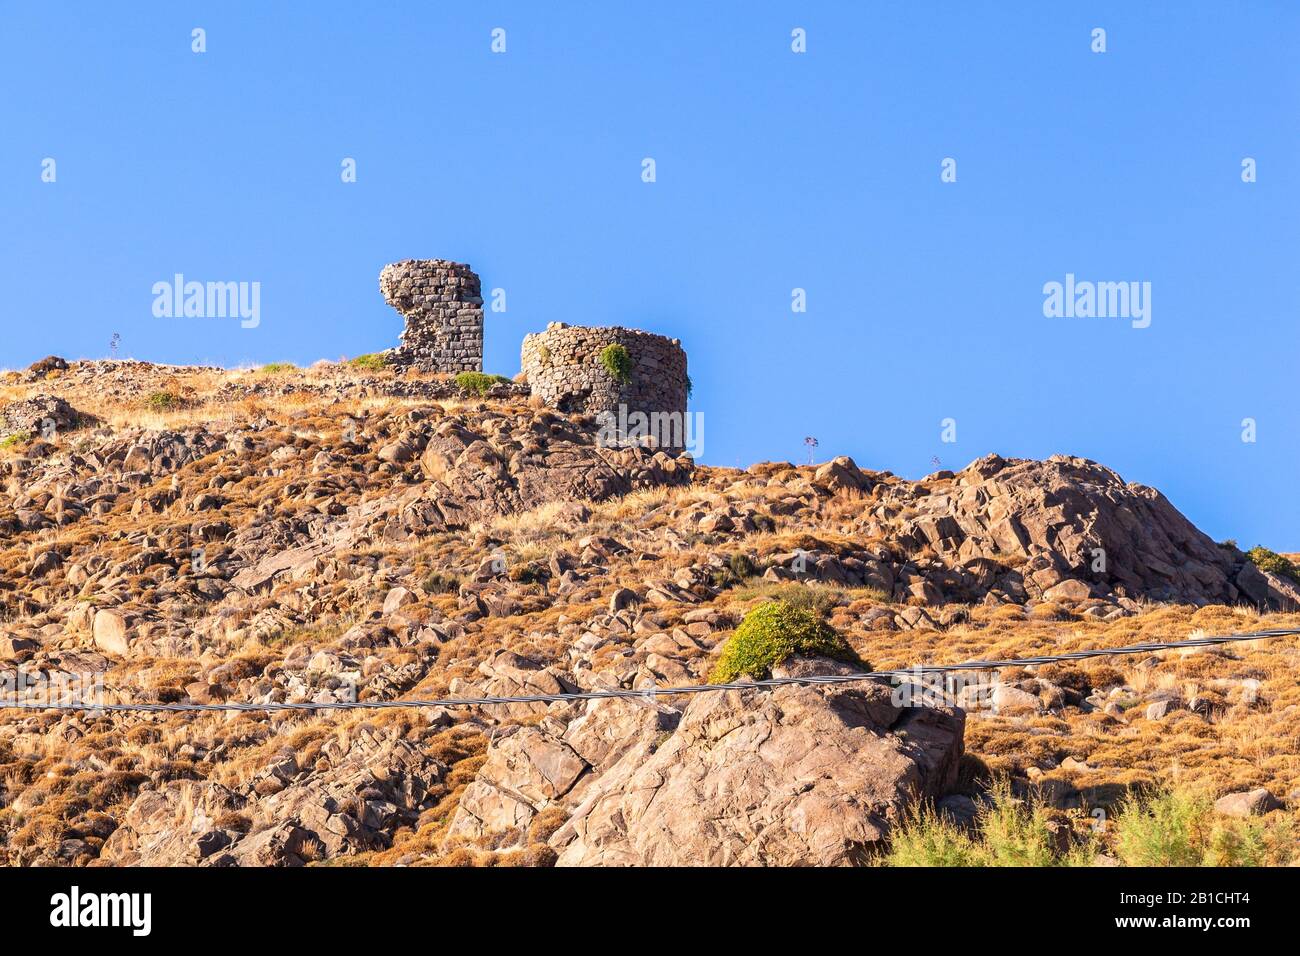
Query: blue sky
(775, 170)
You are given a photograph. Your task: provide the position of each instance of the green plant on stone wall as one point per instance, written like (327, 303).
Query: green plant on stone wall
(617, 362)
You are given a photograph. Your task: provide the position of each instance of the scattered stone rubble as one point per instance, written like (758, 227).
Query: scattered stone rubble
(40, 415)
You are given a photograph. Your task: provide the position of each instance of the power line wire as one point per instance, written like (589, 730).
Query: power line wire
(653, 692)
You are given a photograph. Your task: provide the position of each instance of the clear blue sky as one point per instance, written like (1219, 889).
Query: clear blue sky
(774, 170)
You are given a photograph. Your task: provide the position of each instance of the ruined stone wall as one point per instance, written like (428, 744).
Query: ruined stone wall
(564, 369)
(443, 309)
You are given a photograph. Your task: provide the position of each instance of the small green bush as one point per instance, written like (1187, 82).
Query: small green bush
(772, 632)
(476, 383)
(1271, 561)
(162, 401)
(276, 367)
(372, 361)
(1165, 828)
(1016, 834)
(1160, 830)
(17, 438)
(436, 583)
(1179, 828)
(1007, 832)
(741, 566)
(530, 573)
(1250, 843)
(617, 362)
(925, 838)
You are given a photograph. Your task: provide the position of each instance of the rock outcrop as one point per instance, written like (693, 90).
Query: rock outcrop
(473, 475)
(1061, 529)
(790, 777)
(44, 367)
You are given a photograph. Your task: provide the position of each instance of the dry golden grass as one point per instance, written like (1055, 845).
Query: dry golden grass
(53, 785)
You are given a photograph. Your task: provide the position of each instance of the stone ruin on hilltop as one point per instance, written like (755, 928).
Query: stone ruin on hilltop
(606, 371)
(443, 309)
(566, 369)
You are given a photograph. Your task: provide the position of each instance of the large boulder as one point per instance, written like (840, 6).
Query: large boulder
(799, 775)
(44, 367)
(114, 631)
(1247, 803)
(794, 776)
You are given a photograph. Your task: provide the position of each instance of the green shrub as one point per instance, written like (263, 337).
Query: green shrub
(1182, 829)
(738, 569)
(617, 362)
(925, 838)
(476, 383)
(17, 438)
(372, 361)
(276, 367)
(436, 583)
(1271, 561)
(741, 566)
(1250, 843)
(772, 632)
(162, 401)
(530, 573)
(1013, 833)
(1168, 828)
(1160, 830)
(1007, 832)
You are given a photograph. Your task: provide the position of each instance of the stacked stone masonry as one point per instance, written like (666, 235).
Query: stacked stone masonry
(443, 309)
(565, 371)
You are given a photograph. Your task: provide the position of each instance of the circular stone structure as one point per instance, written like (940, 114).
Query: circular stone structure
(565, 370)
(443, 308)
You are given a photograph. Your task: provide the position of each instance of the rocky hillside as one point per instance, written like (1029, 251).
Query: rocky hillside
(340, 533)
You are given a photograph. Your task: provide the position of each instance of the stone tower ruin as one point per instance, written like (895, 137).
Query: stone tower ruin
(443, 309)
(566, 370)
